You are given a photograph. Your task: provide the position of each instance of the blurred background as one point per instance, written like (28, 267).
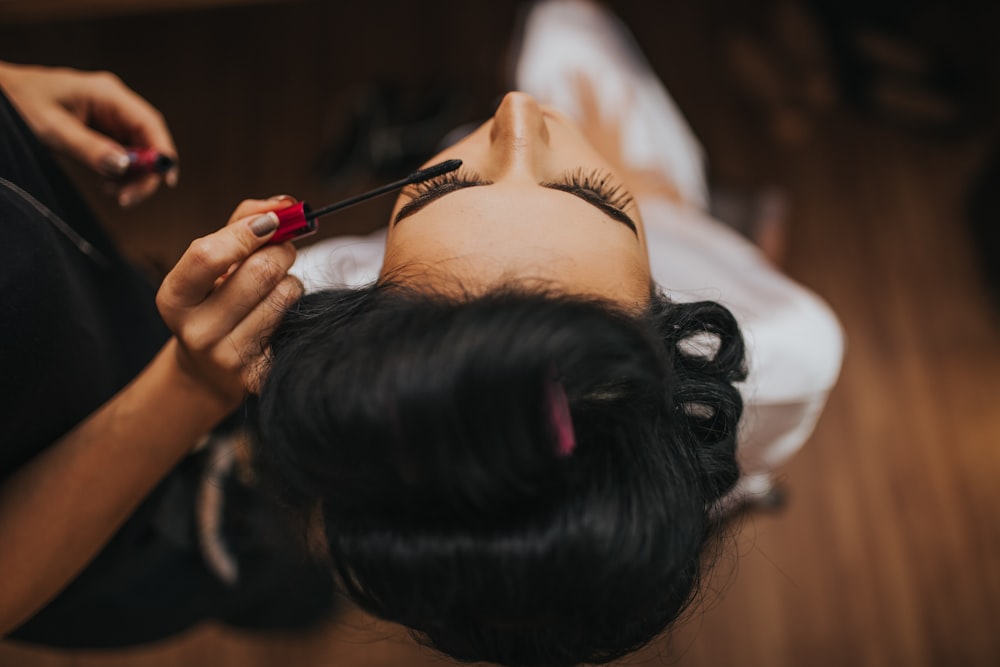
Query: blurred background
(857, 142)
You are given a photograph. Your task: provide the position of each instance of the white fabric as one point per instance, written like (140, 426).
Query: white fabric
(564, 40)
(794, 341)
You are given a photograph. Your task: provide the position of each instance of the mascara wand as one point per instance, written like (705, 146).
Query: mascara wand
(299, 220)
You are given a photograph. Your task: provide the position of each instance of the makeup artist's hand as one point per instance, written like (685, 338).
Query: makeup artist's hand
(225, 295)
(91, 117)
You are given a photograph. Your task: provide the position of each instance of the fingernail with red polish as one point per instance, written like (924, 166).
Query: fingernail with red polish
(264, 224)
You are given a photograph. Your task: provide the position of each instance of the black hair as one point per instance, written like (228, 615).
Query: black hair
(418, 425)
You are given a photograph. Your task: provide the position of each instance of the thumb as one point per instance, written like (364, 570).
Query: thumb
(70, 136)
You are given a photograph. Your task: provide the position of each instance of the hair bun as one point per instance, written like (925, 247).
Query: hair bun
(709, 358)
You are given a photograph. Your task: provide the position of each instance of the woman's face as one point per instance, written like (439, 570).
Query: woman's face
(532, 202)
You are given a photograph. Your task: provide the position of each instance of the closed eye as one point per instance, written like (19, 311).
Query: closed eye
(429, 191)
(596, 188)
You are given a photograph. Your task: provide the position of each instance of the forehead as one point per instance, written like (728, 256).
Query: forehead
(480, 236)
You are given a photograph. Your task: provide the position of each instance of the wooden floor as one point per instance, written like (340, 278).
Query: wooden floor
(889, 550)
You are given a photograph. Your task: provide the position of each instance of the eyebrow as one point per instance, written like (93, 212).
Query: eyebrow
(591, 198)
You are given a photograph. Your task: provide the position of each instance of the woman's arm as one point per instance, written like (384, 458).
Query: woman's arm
(61, 508)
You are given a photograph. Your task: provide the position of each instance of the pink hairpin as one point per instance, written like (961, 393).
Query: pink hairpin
(562, 421)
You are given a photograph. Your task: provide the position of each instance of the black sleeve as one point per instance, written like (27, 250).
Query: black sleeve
(77, 323)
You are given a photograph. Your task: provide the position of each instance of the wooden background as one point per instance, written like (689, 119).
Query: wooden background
(889, 550)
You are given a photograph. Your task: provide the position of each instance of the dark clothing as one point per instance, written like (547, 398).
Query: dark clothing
(74, 329)
(77, 323)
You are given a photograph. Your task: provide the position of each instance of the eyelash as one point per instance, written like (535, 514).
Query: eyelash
(598, 182)
(462, 178)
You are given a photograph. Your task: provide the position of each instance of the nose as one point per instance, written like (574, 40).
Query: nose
(519, 137)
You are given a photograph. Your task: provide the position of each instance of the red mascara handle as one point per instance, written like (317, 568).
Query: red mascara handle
(147, 161)
(292, 223)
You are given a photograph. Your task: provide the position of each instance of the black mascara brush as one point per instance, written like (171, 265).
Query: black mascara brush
(299, 220)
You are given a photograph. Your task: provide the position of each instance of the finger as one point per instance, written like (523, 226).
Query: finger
(249, 207)
(173, 175)
(207, 258)
(68, 135)
(138, 189)
(587, 96)
(242, 347)
(117, 108)
(244, 290)
(255, 329)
